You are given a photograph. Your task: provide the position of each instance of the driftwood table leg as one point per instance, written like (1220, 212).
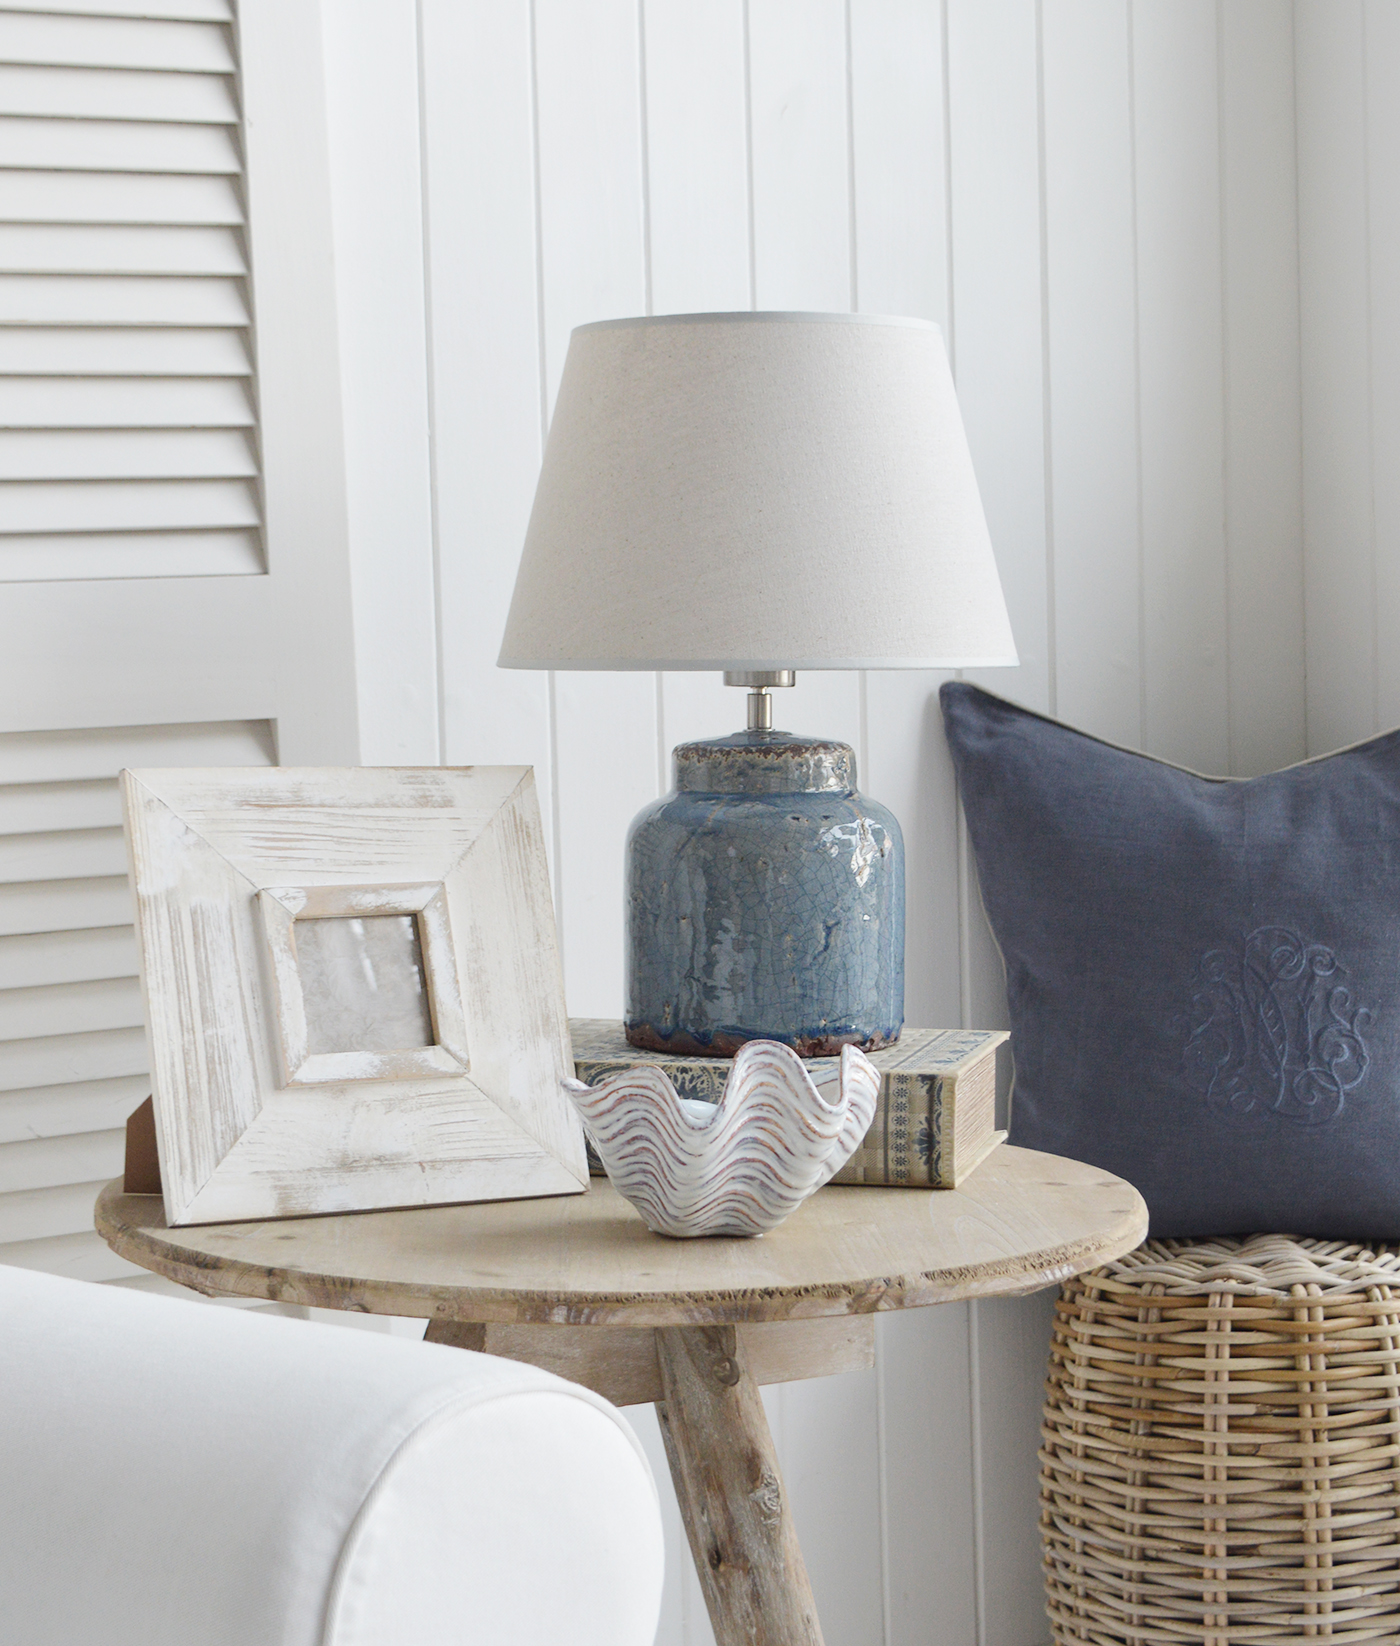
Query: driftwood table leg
(731, 1494)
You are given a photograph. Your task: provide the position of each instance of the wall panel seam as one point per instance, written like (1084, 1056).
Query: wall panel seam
(430, 383)
(645, 151)
(852, 243)
(882, 1475)
(1370, 378)
(644, 147)
(1298, 285)
(979, 1543)
(1222, 212)
(1137, 378)
(748, 158)
(1046, 386)
(556, 830)
(948, 321)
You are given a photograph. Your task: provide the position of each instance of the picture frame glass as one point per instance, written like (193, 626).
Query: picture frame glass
(364, 983)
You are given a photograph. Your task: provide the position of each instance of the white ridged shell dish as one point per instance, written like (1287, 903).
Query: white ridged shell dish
(737, 1167)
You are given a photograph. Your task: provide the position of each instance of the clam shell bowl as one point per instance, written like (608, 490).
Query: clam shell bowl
(736, 1167)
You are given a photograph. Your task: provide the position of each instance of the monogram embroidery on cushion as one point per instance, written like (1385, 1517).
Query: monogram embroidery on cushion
(1273, 1029)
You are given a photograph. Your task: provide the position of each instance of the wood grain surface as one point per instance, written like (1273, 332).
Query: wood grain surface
(1023, 1221)
(621, 1362)
(732, 1497)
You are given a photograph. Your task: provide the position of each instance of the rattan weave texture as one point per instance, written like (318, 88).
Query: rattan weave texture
(1221, 1459)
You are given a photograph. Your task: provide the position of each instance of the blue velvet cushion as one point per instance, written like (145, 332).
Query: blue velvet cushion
(1203, 973)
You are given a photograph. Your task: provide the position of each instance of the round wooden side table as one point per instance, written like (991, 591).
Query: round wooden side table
(577, 1284)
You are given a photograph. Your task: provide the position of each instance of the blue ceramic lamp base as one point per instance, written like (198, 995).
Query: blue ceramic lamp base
(765, 902)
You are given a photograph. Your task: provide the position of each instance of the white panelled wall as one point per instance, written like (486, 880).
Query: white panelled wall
(1163, 238)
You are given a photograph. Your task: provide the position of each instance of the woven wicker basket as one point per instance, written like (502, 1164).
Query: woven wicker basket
(1221, 1457)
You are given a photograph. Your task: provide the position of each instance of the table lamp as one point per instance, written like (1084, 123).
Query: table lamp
(757, 494)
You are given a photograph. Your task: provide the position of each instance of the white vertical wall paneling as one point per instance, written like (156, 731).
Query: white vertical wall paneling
(802, 247)
(593, 262)
(1335, 298)
(698, 252)
(700, 256)
(829, 1446)
(1263, 431)
(377, 205)
(1119, 192)
(994, 78)
(309, 617)
(927, 1441)
(995, 216)
(803, 256)
(483, 315)
(697, 155)
(1179, 305)
(801, 204)
(901, 262)
(683, 1621)
(995, 175)
(1091, 277)
(901, 267)
(1383, 184)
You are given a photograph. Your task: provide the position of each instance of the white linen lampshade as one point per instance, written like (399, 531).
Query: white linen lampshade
(757, 492)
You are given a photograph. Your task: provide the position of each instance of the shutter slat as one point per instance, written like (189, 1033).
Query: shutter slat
(106, 94)
(116, 197)
(59, 1162)
(103, 751)
(33, 808)
(194, 11)
(127, 505)
(64, 905)
(73, 248)
(124, 454)
(40, 958)
(84, 1256)
(68, 854)
(64, 557)
(41, 1213)
(119, 300)
(58, 1059)
(145, 403)
(57, 1111)
(124, 43)
(47, 351)
(118, 145)
(69, 1009)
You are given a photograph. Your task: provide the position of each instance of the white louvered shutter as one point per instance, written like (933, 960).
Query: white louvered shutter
(173, 587)
(125, 361)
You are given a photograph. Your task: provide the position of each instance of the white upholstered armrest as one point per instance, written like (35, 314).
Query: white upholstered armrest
(177, 1475)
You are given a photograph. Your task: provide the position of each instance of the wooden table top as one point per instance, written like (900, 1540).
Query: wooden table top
(1024, 1220)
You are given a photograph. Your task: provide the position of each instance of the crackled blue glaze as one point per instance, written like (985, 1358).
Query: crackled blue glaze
(765, 900)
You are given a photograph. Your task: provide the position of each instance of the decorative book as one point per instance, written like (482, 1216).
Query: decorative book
(935, 1117)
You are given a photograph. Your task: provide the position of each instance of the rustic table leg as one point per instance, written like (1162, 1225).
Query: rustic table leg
(731, 1494)
(457, 1334)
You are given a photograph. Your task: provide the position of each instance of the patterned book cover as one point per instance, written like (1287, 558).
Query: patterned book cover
(934, 1123)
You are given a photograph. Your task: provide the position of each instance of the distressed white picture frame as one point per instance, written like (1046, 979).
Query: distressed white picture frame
(249, 1122)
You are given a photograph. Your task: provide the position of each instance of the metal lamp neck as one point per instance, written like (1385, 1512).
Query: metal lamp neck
(758, 682)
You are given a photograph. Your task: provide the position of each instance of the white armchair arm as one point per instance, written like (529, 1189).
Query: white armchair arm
(177, 1475)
